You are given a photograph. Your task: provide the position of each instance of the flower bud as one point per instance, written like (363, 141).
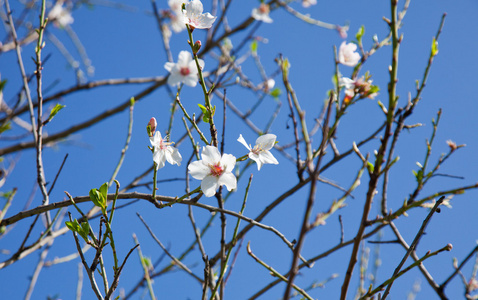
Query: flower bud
(196, 47)
(151, 128)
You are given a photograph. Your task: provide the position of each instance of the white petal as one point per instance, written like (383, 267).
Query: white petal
(184, 58)
(205, 21)
(198, 170)
(243, 141)
(346, 82)
(209, 186)
(266, 141)
(169, 66)
(194, 7)
(159, 158)
(173, 156)
(210, 155)
(257, 159)
(267, 158)
(228, 161)
(229, 180)
(174, 79)
(155, 139)
(190, 80)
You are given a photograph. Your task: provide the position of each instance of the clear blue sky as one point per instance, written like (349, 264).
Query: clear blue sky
(124, 42)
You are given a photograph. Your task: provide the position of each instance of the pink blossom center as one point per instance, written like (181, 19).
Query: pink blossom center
(216, 170)
(264, 9)
(185, 71)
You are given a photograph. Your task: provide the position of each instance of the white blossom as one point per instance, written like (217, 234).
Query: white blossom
(214, 171)
(262, 13)
(163, 151)
(194, 17)
(184, 71)
(177, 17)
(307, 3)
(260, 153)
(347, 54)
(60, 16)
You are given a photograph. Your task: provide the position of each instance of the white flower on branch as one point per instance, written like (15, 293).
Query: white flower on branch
(194, 17)
(260, 153)
(184, 71)
(60, 16)
(347, 54)
(214, 171)
(163, 151)
(176, 16)
(307, 3)
(262, 13)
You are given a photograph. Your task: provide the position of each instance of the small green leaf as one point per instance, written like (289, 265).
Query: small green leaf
(335, 80)
(276, 92)
(5, 127)
(97, 199)
(254, 46)
(434, 47)
(203, 108)
(104, 190)
(2, 84)
(55, 110)
(370, 167)
(360, 34)
(132, 101)
(73, 225)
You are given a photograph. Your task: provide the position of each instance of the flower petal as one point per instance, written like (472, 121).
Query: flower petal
(257, 159)
(210, 155)
(229, 180)
(228, 161)
(243, 141)
(267, 158)
(169, 66)
(184, 58)
(173, 156)
(209, 186)
(266, 141)
(198, 170)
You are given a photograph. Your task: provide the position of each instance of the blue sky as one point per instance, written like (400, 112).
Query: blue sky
(125, 43)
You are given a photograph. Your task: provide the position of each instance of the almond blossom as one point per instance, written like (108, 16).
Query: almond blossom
(260, 153)
(60, 16)
(347, 54)
(214, 170)
(194, 17)
(184, 71)
(307, 3)
(361, 86)
(176, 16)
(163, 151)
(262, 13)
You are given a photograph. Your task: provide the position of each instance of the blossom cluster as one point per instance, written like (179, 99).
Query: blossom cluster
(214, 169)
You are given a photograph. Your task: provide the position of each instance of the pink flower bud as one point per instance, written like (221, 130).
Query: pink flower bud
(151, 128)
(196, 47)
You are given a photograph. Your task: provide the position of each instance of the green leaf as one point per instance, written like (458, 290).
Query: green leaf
(104, 191)
(360, 34)
(73, 225)
(55, 110)
(434, 47)
(2, 84)
(254, 46)
(85, 230)
(5, 127)
(276, 92)
(96, 198)
(206, 115)
(370, 167)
